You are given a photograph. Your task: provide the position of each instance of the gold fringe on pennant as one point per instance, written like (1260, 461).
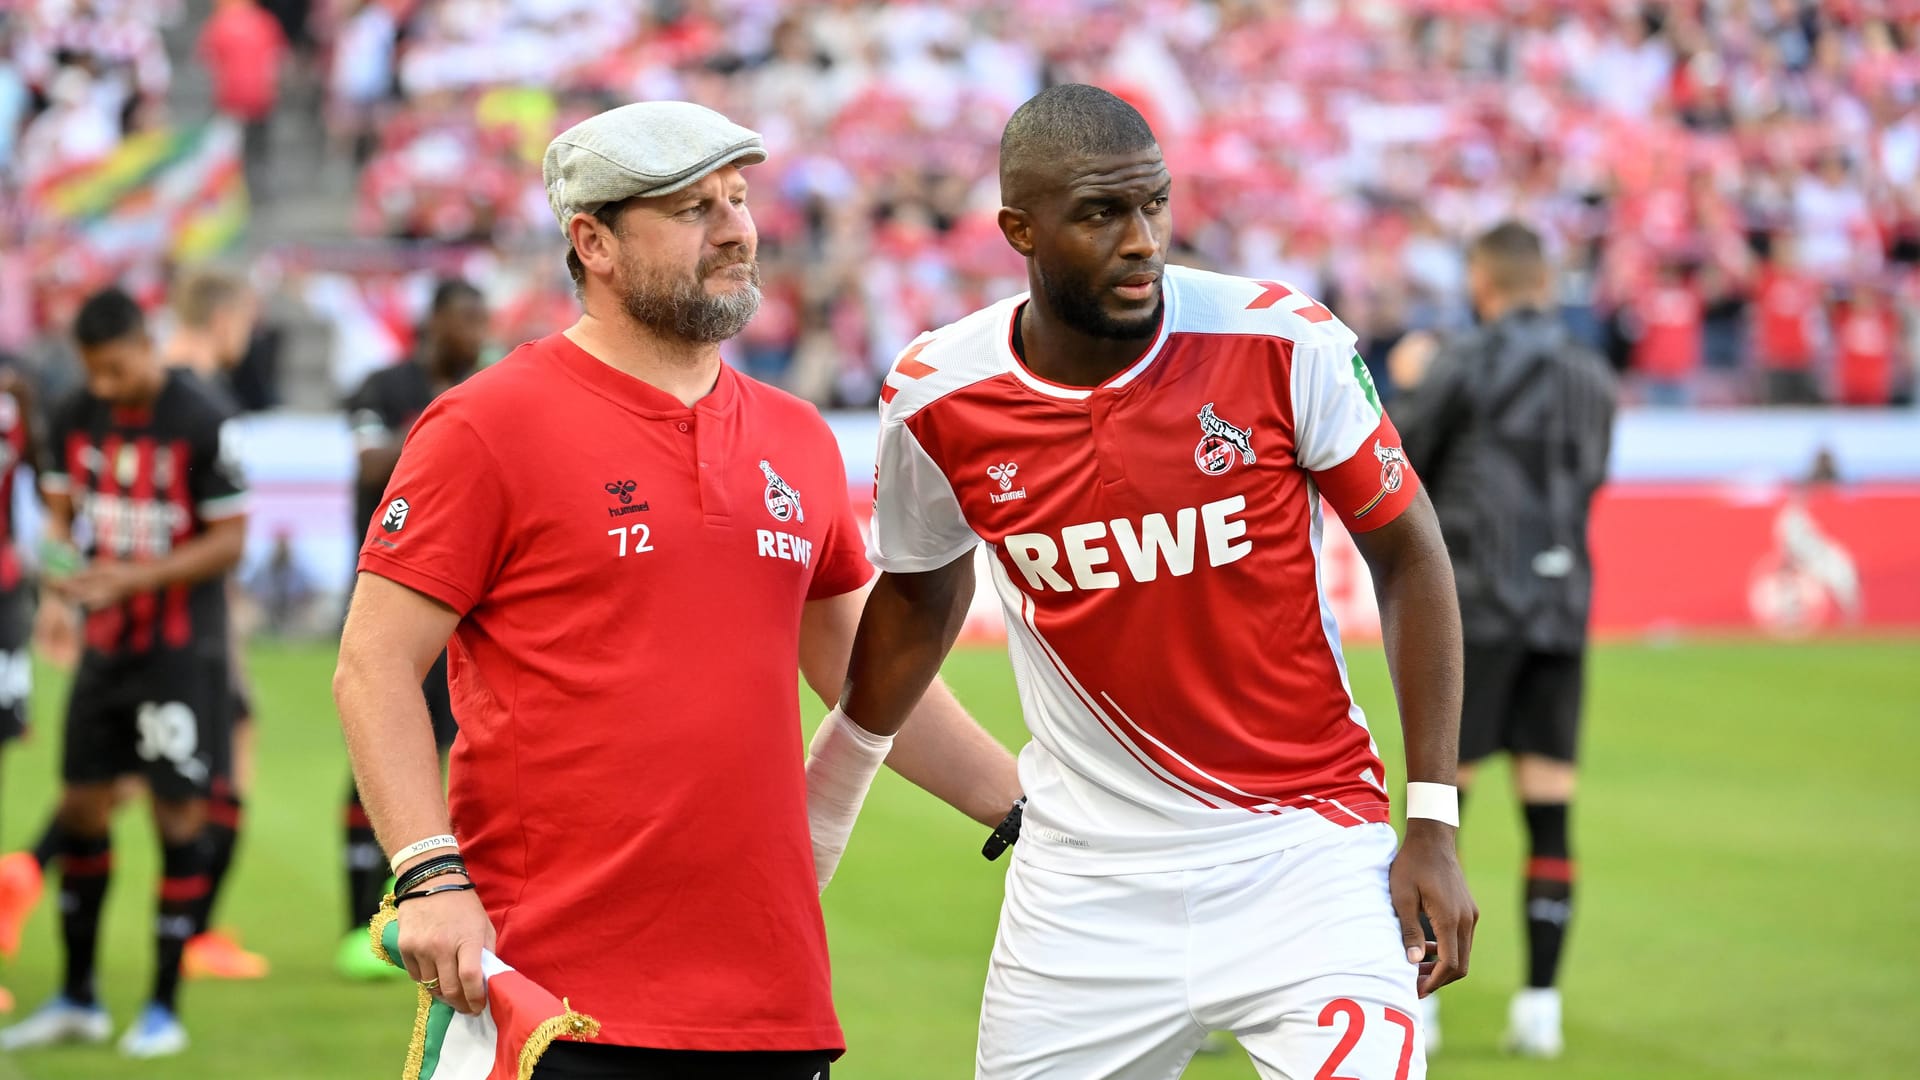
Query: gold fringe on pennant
(417, 1046)
(377, 929)
(568, 1025)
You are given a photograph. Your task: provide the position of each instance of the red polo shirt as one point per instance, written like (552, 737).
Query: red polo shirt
(627, 786)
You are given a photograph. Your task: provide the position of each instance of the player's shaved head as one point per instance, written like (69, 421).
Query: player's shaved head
(1061, 124)
(205, 293)
(1512, 257)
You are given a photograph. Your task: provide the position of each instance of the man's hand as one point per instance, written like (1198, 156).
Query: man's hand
(56, 633)
(104, 584)
(440, 939)
(1408, 360)
(1426, 878)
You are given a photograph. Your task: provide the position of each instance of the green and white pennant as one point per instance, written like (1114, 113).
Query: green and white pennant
(503, 1042)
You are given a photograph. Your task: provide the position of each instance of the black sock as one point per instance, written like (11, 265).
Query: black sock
(366, 866)
(184, 889)
(1549, 891)
(86, 862)
(223, 831)
(49, 848)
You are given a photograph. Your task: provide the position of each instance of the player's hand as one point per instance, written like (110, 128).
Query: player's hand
(440, 939)
(1426, 878)
(1407, 361)
(105, 584)
(56, 633)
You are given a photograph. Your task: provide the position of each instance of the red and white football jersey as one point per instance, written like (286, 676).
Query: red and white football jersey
(1155, 542)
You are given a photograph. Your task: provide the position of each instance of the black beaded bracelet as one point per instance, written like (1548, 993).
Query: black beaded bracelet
(464, 886)
(433, 867)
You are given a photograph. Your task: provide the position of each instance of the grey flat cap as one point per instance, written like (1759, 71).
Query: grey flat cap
(647, 148)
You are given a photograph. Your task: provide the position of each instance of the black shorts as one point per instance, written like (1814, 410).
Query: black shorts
(1522, 701)
(440, 704)
(16, 660)
(592, 1061)
(164, 716)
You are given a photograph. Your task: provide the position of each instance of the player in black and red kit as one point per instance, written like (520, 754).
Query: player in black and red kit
(16, 622)
(381, 413)
(142, 480)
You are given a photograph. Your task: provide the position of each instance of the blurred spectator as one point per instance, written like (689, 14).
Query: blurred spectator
(244, 49)
(1668, 351)
(282, 588)
(1787, 324)
(1865, 329)
(362, 75)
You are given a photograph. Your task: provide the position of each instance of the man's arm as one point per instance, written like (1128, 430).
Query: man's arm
(942, 750)
(392, 637)
(207, 556)
(1420, 621)
(909, 623)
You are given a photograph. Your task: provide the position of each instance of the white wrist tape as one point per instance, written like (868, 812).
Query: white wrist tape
(431, 843)
(1440, 802)
(841, 765)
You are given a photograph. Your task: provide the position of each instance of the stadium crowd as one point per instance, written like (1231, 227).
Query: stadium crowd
(1731, 187)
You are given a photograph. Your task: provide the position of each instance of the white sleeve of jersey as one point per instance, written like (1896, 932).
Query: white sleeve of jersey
(1335, 405)
(917, 522)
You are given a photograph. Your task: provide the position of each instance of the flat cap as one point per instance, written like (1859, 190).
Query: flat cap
(644, 149)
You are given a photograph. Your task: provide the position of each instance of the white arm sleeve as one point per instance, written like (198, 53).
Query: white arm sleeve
(841, 764)
(917, 522)
(1335, 406)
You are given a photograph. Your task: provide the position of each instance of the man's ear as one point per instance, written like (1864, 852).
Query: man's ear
(1017, 227)
(593, 243)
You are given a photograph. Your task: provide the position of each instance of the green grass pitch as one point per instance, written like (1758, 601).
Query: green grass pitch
(1746, 835)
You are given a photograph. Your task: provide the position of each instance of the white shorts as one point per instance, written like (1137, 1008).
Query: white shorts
(1297, 953)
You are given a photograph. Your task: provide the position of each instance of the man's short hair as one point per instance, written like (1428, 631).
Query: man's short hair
(608, 215)
(203, 293)
(450, 291)
(107, 316)
(1515, 259)
(1060, 123)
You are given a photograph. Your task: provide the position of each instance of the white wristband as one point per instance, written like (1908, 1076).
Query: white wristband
(841, 764)
(1440, 802)
(431, 843)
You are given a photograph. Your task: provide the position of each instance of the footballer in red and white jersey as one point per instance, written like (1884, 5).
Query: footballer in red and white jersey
(1156, 543)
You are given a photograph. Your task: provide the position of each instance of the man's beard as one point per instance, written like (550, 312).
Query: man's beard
(681, 308)
(1077, 303)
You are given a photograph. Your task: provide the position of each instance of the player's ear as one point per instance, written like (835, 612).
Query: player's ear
(1017, 227)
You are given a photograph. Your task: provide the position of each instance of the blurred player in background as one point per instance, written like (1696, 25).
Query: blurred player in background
(381, 412)
(1510, 427)
(143, 480)
(19, 878)
(214, 315)
(1206, 841)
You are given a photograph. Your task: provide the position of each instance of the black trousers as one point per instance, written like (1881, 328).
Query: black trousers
(590, 1061)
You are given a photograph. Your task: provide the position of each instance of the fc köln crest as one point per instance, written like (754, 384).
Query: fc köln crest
(1393, 474)
(783, 502)
(1221, 443)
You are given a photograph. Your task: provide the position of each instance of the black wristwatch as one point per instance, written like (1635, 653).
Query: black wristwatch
(1006, 834)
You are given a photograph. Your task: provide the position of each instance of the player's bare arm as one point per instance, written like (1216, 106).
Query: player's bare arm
(941, 749)
(210, 555)
(1420, 621)
(392, 636)
(910, 624)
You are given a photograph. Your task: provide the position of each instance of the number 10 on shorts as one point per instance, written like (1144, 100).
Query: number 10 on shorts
(1348, 1012)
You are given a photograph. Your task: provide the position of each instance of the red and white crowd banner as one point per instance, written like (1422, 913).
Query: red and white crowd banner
(1690, 559)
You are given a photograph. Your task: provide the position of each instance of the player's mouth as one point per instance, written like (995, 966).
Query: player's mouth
(1137, 287)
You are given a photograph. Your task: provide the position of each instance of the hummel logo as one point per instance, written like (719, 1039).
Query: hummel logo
(1003, 475)
(395, 518)
(623, 490)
